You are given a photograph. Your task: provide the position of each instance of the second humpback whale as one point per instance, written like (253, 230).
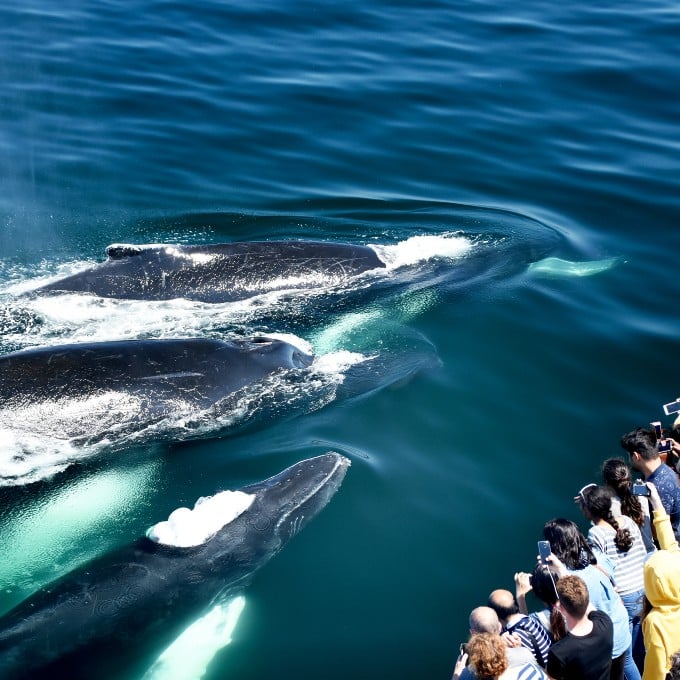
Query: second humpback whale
(220, 272)
(112, 617)
(130, 391)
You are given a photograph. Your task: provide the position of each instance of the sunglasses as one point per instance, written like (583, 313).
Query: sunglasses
(580, 497)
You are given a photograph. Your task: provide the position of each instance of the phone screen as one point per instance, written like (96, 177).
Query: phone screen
(673, 407)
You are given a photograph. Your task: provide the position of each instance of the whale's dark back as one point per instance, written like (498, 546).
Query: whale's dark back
(203, 369)
(220, 272)
(119, 610)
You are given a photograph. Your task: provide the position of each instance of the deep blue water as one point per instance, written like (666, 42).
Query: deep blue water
(551, 123)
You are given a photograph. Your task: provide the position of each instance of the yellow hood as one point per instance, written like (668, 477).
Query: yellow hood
(662, 579)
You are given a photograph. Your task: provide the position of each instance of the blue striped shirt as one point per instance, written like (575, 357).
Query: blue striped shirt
(533, 636)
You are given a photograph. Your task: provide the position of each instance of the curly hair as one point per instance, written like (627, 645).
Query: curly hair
(487, 655)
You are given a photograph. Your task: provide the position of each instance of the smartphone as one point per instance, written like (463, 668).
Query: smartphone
(656, 425)
(673, 407)
(544, 550)
(640, 489)
(664, 446)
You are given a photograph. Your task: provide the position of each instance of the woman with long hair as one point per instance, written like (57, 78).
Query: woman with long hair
(543, 583)
(575, 556)
(616, 475)
(620, 539)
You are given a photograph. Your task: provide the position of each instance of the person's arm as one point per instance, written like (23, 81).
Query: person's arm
(556, 566)
(522, 587)
(662, 522)
(655, 657)
(458, 669)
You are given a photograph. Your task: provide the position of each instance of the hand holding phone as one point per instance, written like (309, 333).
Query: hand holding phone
(544, 550)
(640, 489)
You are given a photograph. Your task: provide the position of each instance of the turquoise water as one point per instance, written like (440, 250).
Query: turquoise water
(545, 130)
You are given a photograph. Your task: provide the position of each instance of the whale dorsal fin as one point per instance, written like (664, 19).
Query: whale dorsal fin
(117, 251)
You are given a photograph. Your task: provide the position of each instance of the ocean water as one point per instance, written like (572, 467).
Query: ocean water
(495, 389)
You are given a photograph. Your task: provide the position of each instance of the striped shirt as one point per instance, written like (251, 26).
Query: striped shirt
(645, 527)
(533, 636)
(628, 566)
(526, 672)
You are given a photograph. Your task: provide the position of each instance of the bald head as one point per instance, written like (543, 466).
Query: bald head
(484, 620)
(503, 603)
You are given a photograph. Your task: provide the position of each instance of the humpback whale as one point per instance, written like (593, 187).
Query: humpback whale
(113, 615)
(219, 272)
(132, 391)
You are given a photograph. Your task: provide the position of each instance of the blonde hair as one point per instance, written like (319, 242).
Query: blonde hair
(487, 655)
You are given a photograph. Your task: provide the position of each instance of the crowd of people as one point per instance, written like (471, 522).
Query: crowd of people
(611, 599)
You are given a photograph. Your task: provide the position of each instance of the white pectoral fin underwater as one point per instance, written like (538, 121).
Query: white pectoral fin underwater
(555, 267)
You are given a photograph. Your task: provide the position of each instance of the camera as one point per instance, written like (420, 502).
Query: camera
(640, 489)
(673, 407)
(544, 550)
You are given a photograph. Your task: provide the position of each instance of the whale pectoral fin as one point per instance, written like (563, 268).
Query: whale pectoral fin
(191, 653)
(556, 267)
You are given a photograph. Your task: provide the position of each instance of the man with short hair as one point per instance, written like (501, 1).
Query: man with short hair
(485, 620)
(531, 634)
(585, 653)
(644, 457)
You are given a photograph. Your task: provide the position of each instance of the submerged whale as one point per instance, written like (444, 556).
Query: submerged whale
(116, 613)
(131, 391)
(220, 272)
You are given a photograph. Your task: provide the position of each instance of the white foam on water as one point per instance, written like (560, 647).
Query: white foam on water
(77, 317)
(292, 339)
(187, 658)
(422, 248)
(44, 273)
(26, 457)
(336, 363)
(38, 440)
(189, 527)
